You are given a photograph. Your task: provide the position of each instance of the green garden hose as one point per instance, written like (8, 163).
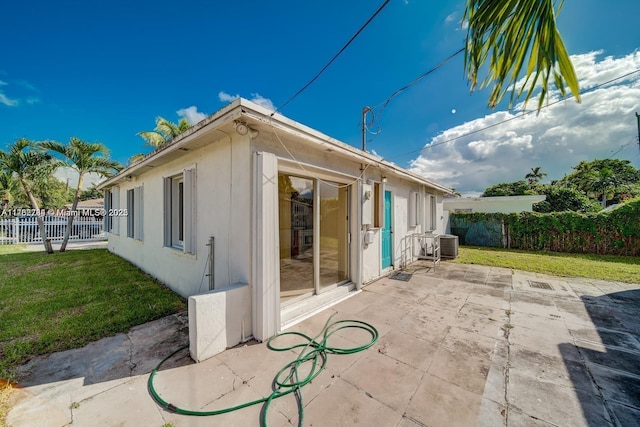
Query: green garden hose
(287, 380)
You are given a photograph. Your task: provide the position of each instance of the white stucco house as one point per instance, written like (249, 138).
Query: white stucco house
(260, 220)
(504, 204)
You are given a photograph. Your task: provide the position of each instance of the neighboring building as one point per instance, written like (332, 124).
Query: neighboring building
(504, 204)
(261, 220)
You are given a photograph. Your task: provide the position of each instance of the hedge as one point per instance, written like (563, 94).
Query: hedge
(616, 232)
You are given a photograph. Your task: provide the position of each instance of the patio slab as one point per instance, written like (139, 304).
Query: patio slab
(458, 346)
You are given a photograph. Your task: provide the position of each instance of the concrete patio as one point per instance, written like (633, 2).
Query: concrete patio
(459, 346)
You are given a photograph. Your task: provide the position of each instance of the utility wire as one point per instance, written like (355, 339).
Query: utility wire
(524, 113)
(420, 77)
(384, 104)
(382, 6)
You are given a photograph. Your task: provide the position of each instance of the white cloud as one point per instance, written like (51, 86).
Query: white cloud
(225, 97)
(262, 101)
(255, 97)
(558, 138)
(4, 99)
(192, 114)
(451, 17)
(70, 177)
(12, 102)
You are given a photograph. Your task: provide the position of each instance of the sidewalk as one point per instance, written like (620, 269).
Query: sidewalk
(461, 346)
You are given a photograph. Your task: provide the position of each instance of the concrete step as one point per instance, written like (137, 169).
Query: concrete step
(301, 310)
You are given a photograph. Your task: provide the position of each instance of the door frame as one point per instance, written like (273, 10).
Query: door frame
(388, 225)
(309, 173)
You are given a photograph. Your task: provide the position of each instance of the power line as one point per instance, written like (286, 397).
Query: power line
(382, 6)
(524, 113)
(384, 104)
(417, 79)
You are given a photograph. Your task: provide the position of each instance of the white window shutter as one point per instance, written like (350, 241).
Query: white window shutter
(189, 211)
(130, 213)
(138, 214)
(107, 207)
(167, 211)
(115, 205)
(412, 209)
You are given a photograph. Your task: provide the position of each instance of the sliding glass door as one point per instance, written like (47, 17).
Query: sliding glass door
(313, 218)
(333, 234)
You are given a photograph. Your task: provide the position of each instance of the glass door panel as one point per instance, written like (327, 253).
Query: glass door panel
(333, 258)
(295, 207)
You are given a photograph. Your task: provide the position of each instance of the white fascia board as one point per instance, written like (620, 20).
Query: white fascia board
(280, 122)
(211, 123)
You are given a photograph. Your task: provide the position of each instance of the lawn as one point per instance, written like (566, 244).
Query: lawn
(64, 300)
(605, 267)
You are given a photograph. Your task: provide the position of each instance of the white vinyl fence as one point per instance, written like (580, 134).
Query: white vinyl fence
(25, 229)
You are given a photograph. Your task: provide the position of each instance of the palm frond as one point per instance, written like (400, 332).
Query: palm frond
(502, 34)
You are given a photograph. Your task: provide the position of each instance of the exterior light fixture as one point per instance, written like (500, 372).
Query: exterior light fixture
(242, 128)
(384, 179)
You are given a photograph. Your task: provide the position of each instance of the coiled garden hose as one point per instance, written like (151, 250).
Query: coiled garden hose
(287, 380)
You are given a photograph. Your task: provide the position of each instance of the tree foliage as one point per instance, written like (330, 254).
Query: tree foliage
(91, 193)
(609, 180)
(509, 38)
(32, 167)
(164, 131)
(535, 175)
(561, 199)
(591, 186)
(84, 157)
(616, 232)
(517, 188)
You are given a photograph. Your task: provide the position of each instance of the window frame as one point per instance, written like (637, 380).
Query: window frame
(179, 211)
(135, 215)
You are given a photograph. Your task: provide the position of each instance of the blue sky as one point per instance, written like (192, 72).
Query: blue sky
(102, 71)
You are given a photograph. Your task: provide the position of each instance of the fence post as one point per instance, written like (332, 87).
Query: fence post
(16, 231)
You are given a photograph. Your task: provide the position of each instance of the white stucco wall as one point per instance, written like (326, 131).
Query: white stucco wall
(505, 204)
(222, 211)
(225, 200)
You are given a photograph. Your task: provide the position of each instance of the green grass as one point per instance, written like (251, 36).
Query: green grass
(13, 249)
(64, 300)
(605, 267)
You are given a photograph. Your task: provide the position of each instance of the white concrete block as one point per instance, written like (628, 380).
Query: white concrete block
(218, 320)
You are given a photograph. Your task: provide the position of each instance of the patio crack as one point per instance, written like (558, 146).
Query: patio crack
(132, 364)
(507, 329)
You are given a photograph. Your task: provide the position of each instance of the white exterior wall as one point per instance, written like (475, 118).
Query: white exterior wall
(223, 207)
(504, 204)
(402, 250)
(236, 201)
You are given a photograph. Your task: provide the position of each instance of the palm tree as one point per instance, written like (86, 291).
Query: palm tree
(136, 158)
(164, 131)
(9, 188)
(28, 164)
(84, 157)
(502, 34)
(535, 175)
(602, 184)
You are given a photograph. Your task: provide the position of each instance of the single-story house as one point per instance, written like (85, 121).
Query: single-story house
(260, 220)
(504, 204)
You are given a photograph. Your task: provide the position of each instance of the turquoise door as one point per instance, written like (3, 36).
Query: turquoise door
(386, 231)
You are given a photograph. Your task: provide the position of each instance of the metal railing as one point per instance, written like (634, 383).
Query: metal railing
(25, 229)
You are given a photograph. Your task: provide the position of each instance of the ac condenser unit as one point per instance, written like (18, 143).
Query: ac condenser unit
(448, 246)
